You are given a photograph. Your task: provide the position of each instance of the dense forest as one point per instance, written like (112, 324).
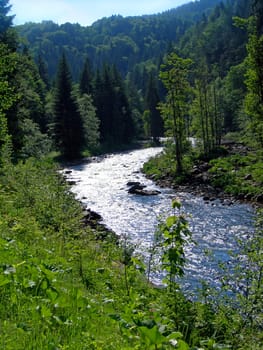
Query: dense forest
(117, 60)
(68, 92)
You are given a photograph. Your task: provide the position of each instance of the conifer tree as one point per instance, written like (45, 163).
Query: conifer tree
(68, 126)
(104, 102)
(5, 21)
(113, 109)
(123, 130)
(152, 101)
(86, 78)
(43, 71)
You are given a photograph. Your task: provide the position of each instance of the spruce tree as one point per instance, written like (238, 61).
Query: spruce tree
(113, 109)
(85, 84)
(104, 101)
(7, 34)
(152, 101)
(43, 71)
(68, 126)
(123, 130)
(5, 21)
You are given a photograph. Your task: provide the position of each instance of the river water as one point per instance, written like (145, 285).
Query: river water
(102, 186)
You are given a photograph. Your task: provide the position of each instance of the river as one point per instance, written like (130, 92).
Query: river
(102, 186)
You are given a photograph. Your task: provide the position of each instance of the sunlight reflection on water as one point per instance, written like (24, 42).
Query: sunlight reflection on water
(102, 187)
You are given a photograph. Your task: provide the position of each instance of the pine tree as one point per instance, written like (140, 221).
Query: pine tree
(7, 34)
(104, 102)
(123, 130)
(86, 79)
(152, 101)
(43, 71)
(5, 21)
(68, 126)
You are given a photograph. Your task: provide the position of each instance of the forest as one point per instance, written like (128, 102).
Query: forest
(69, 92)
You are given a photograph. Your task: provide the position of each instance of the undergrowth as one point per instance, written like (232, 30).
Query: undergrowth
(239, 174)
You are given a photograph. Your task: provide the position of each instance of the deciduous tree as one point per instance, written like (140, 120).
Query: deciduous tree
(174, 75)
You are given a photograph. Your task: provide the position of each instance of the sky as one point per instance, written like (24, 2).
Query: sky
(85, 12)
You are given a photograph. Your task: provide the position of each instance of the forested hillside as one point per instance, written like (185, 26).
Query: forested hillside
(129, 42)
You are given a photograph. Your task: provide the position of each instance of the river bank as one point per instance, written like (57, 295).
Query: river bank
(200, 181)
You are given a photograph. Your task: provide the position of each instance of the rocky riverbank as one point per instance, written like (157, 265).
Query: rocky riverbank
(199, 182)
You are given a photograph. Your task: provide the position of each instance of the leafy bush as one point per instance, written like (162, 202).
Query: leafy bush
(239, 174)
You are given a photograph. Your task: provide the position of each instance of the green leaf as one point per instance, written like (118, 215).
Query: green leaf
(52, 294)
(4, 280)
(175, 335)
(182, 345)
(170, 221)
(45, 312)
(153, 335)
(176, 203)
(115, 317)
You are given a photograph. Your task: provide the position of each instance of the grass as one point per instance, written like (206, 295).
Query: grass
(57, 282)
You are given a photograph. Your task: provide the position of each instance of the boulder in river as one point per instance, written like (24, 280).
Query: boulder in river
(147, 192)
(133, 183)
(138, 188)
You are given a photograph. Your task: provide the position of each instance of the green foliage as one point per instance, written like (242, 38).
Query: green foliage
(174, 75)
(113, 109)
(175, 235)
(7, 36)
(8, 63)
(239, 175)
(68, 124)
(152, 101)
(35, 143)
(160, 166)
(254, 82)
(86, 79)
(164, 167)
(143, 324)
(90, 122)
(22, 100)
(57, 283)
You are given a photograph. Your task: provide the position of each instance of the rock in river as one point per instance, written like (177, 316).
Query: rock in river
(138, 188)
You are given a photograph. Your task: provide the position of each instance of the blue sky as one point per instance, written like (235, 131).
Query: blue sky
(85, 12)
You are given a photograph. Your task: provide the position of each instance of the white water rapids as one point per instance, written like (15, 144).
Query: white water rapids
(102, 186)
